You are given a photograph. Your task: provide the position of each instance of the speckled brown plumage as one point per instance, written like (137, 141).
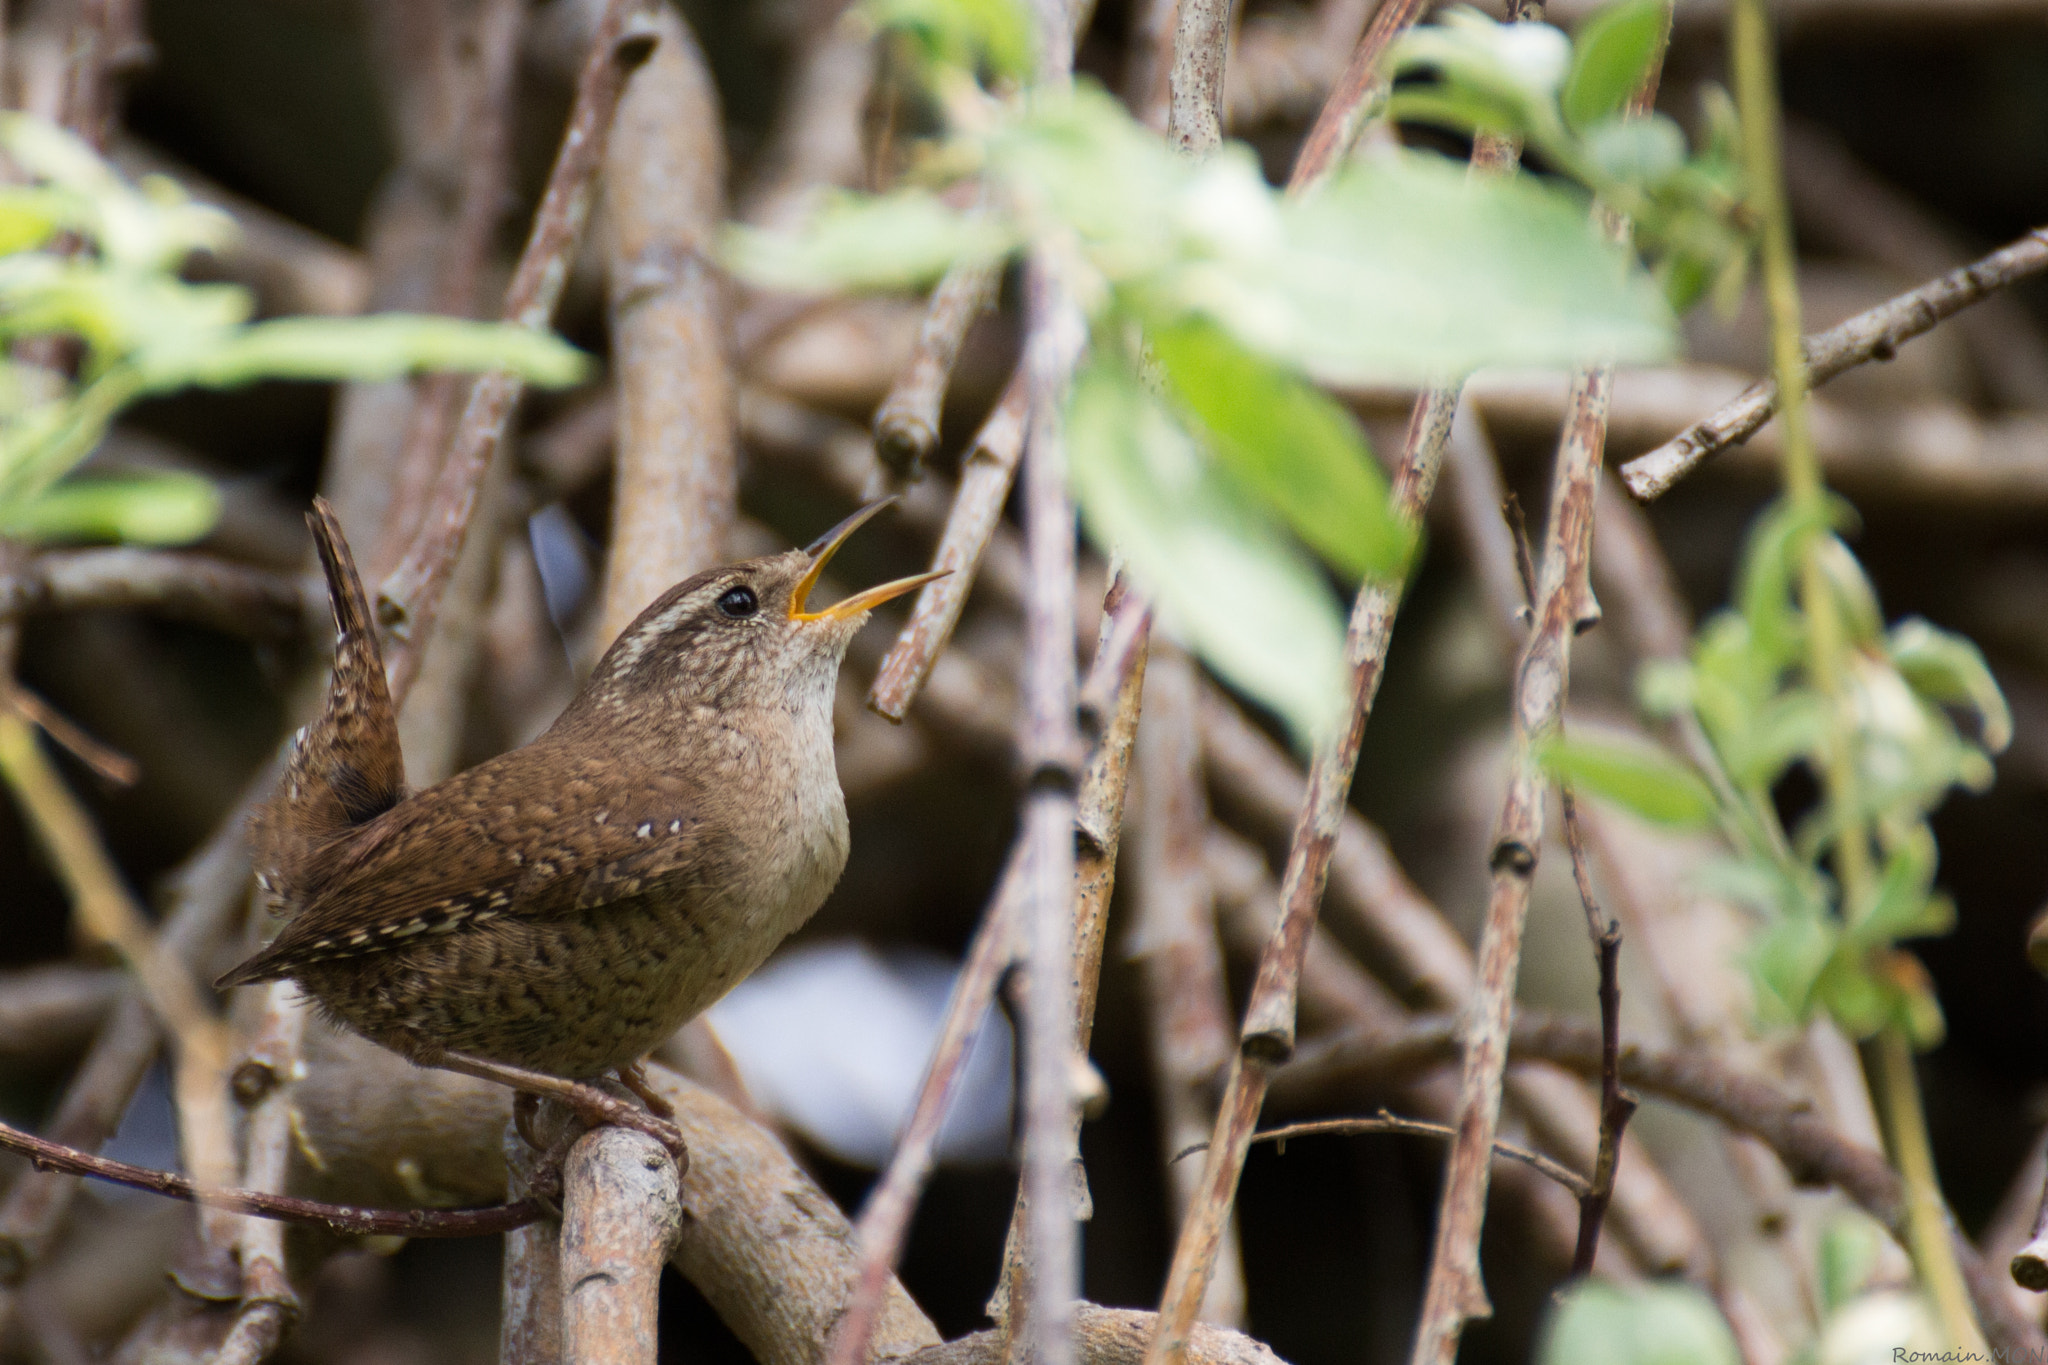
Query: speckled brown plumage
(564, 907)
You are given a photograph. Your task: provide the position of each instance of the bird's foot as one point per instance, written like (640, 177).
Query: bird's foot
(586, 1101)
(634, 1077)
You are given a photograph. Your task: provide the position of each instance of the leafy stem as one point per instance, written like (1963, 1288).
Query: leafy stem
(1828, 648)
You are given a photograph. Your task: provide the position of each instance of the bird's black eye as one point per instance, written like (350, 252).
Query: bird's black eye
(738, 602)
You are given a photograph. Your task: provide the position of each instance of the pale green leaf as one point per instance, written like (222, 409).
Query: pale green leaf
(155, 508)
(1290, 443)
(965, 33)
(1405, 269)
(1598, 1323)
(1224, 577)
(1640, 779)
(382, 346)
(1948, 669)
(1611, 54)
(891, 241)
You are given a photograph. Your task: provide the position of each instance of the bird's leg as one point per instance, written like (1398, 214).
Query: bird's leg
(590, 1104)
(634, 1078)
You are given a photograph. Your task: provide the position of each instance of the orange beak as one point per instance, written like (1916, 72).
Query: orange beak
(821, 552)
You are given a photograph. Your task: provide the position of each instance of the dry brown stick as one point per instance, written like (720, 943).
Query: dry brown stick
(1617, 1106)
(530, 1299)
(1049, 746)
(1354, 98)
(341, 1219)
(203, 896)
(676, 481)
(411, 595)
(1427, 960)
(1148, 61)
(264, 1083)
(2029, 1268)
(620, 1215)
(907, 422)
(817, 139)
(768, 1248)
(1814, 1152)
(229, 597)
(986, 471)
(1201, 41)
(885, 1219)
(1845, 206)
(489, 50)
(1875, 334)
(1341, 994)
(1384, 1122)
(1267, 1037)
(1174, 942)
(1455, 1291)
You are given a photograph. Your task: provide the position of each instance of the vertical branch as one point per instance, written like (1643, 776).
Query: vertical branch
(621, 1212)
(1201, 42)
(907, 422)
(530, 1283)
(1187, 1002)
(411, 594)
(986, 472)
(676, 481)
(1617, 1106)
(1050, 748)
(265, 1081)
(1455, 1292)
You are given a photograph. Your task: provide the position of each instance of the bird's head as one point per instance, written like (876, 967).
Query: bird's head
(745, 634)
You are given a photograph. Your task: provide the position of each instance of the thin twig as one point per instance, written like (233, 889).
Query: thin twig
(342, 1219)
(411, 595)
(907, 422)
(1254, 780)
(265, 1083)
(1384, 1122)
(1617, 1106)
(986, 472)
(1814, 1152)
(530, 1275)
(1267, 1037)
(885, 1218)
(1050, 747)
(1354, 99)
(1875, 334)
(1174, 943)
(108, 763)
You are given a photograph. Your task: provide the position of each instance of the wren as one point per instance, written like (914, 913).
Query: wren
(554, 913)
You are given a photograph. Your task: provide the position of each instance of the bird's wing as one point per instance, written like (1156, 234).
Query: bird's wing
(488, 844)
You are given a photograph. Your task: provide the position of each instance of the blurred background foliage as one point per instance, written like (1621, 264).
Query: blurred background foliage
(1915, 142)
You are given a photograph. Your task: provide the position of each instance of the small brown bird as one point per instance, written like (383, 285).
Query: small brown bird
(554, 913)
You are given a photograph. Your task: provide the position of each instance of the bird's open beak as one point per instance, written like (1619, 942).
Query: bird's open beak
(821, 552)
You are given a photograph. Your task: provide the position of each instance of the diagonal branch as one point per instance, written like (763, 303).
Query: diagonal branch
(1875, 334)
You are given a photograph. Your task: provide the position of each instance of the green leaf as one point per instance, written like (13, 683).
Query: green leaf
(1948, 669)
(1611, 54)
(1789, 958)
(1852, 1245)
(962, 33)
(1598, 1323)
(1640, 779)
(157, 508)
(1905, 906)
(1232, 583)
(1636, 151)
(1291, 444)
(1408, 270)
(1402, 269)
(892, 241)
(382, 346)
